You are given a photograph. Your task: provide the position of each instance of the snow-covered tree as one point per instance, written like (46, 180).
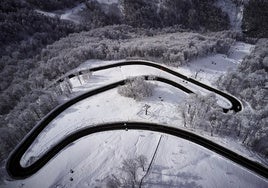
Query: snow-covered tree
(136, 88)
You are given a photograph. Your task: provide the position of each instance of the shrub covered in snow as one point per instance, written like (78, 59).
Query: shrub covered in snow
(136, 88)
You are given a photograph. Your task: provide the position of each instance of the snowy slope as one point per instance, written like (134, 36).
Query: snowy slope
(178, 163)
(71, 14)
(235, 12)
(68, 14)
(209, 69)
(194, 166)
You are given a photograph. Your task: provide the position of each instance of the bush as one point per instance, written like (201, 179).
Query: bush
(136, 88)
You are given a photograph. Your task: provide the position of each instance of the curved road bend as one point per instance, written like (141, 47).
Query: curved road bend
(236, 104)
(17, 171)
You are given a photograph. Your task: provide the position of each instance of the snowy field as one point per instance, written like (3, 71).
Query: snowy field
(209, 69)
(178, 163)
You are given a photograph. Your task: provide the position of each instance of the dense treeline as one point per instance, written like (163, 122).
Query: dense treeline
(24, 31)
(52, 5)
(255, 18)
(195, 14)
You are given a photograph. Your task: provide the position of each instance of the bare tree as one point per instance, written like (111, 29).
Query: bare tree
(197, 72)
(142, 160)
(130, 176)
(113, 182)
(86, 75)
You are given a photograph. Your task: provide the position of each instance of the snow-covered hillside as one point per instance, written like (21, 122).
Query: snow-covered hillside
(181, 67)
(94, 160)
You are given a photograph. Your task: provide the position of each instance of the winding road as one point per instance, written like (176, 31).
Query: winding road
(236, 104)
(16, 171)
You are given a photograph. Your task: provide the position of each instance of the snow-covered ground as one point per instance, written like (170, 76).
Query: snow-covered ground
(68, 14)
(72, 14)
(49, 14)
(209, 69)
(179, 163)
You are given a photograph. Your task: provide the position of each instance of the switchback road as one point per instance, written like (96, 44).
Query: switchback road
(17, 171)
(236, 104)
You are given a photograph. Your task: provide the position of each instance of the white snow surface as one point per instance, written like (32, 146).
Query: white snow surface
(68, 14)
(235, 12)
(49, 14)
(108, 1)
(71, 14)
(210, 68)
(178, 163)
